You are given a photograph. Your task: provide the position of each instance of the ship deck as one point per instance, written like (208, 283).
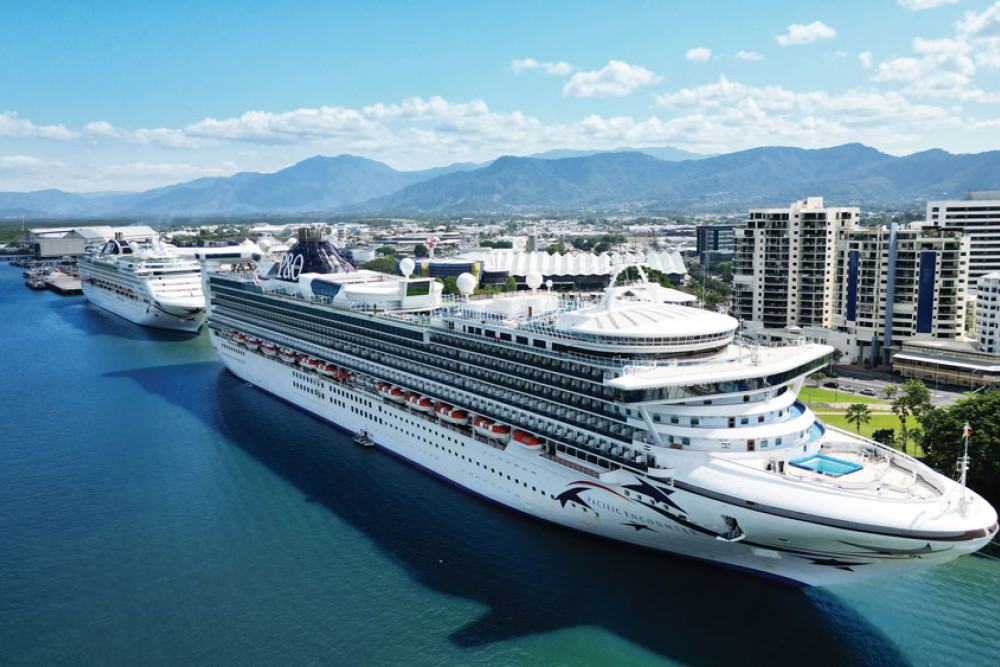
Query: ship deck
(740, 360)
(872, 470)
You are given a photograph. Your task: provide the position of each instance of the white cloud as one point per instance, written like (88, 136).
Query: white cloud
(26, 163)
(698, 55)
(560, 68)
(12, 126)
(748, 55)
(805, 34)
(989, 56)
(417, 109)
(917, 5)
(616, 79)
(853, 110)
(556, 68)
(523, 64)
(944, 69)
(289, 127)
(984, 25)
(866, 59)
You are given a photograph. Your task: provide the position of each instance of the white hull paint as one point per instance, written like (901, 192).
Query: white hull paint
(680, 519)
(140, 311)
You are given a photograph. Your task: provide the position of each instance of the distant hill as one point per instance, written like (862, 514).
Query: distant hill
(563, 180)
(667, 153)
(848, 174)
(317, 184)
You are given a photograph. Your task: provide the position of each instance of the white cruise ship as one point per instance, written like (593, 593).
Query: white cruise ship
(145, 283)
(620, 416)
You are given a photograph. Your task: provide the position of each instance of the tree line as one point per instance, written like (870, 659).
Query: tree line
(940, 436)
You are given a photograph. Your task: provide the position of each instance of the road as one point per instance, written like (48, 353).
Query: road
(860, 378)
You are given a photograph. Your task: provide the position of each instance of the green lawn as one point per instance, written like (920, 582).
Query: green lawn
(878, 421)
(814, 395)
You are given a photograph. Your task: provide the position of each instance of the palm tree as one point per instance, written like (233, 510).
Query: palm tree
(913, 400)
(858, 414)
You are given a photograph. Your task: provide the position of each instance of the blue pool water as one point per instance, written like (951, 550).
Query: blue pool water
(154, 510)
(826, 465)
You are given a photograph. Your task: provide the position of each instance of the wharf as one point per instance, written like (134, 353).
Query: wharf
(64, 284)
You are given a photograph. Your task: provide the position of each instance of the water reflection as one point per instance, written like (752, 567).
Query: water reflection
(532, 576)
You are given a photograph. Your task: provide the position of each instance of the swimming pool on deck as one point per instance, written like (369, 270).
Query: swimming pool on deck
(826, 465)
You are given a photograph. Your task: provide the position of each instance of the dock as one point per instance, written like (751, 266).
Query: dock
(64, 284)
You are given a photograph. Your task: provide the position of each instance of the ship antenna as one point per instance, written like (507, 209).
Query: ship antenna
(963, 464)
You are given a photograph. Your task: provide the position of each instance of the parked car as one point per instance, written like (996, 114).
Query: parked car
(831, 384)
(847, 388)
(867, 391)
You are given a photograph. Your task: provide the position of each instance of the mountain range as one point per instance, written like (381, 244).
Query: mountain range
(852, 174)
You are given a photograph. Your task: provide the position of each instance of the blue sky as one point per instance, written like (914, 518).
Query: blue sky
(102, 96)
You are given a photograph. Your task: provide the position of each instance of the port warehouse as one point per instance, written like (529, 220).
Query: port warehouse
(56, 242)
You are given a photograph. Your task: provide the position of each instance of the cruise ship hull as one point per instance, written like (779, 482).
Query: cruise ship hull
(624, 505)
(143, 312)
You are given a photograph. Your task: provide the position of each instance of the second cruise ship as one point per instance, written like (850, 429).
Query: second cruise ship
(617, 415)
(146, 283)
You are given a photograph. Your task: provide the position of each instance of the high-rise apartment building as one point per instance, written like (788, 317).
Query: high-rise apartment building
(978, 213)
(783, 264)
(988, 312)
(815, 267)
(901, 284)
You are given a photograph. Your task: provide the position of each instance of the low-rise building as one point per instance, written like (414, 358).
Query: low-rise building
(943, 363)
(55, 242)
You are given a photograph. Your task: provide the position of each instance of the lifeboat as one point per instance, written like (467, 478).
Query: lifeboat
(251, 342)
(308, 363)
(329, 370)
(288, 354)
(420, 403)
(394, 394)
(500, 432)
(525, 439)
(341, 374)
(268, 348)
(238, 338)
(452, 415)
(491, 429)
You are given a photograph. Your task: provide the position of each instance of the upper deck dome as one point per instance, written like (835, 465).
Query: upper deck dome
(645, 323)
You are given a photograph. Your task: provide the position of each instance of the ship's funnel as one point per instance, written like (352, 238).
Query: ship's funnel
(312, 253)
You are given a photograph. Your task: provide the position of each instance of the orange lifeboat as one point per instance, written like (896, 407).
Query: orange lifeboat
(394, 394)
(500, 432)
(288, 354)
(238, 338)
(420, 403)
(491, 429)
(341, 374)
(308, 363)
(525, 439)
(447, 413)
(268, 348)
(329, 370)
(251, 342)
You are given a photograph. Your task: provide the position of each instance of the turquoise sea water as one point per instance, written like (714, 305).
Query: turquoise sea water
(155, 510)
